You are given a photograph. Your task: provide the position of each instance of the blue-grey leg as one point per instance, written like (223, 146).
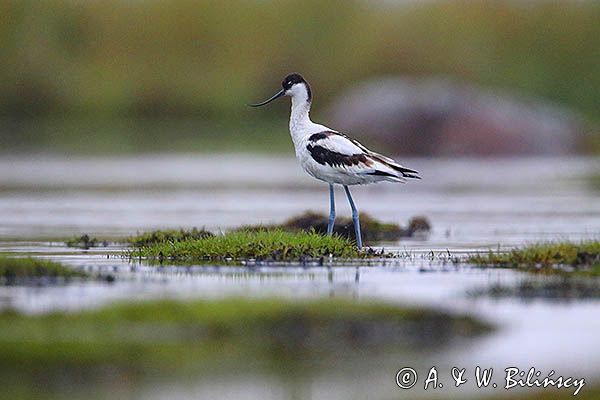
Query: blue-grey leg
(355, 218)
(331, 211)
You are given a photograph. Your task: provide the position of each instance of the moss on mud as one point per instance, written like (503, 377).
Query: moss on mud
(582, 257)
(14, 270)
(372, 229)
(267, 245)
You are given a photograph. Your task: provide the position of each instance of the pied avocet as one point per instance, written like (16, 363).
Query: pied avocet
(331, 156)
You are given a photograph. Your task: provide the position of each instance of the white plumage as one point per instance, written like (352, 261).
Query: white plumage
(333, 157)
(356, 165)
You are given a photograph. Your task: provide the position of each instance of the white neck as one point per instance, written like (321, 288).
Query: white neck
(300, 123)
(299, 118)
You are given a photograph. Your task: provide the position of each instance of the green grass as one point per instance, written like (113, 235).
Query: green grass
(269, 245)
(141, 239)
(162, 236)
(170, 337)
(85, 242)
(372, 229)
(13, 270)
(583, 256)
(310, 222)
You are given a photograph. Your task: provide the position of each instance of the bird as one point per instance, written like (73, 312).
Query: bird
(331, 156)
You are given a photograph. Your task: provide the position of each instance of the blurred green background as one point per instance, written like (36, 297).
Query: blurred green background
(132, 76)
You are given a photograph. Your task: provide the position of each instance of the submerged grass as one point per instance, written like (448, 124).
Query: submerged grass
(13, 270)
(268, 245)
(545, 257)
(173, 337)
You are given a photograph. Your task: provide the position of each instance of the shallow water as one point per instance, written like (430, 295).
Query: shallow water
(542, 333)
(472, 204)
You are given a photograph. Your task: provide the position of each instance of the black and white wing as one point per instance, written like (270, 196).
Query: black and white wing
(338, 151)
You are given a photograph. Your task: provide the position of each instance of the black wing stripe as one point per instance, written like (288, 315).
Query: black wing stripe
(382, 173)
(406, 172)
(335, 159)
(324, 156)
(315, 137)
(403, 170)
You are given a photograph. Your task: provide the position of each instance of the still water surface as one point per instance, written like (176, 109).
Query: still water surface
(471, 203)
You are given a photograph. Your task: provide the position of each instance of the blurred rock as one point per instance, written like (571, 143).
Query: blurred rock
(441, 117)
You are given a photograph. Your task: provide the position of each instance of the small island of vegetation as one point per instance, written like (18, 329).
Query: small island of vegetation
(14, 270)
(582, 257)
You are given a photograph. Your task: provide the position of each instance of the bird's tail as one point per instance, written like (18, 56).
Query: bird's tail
(406, 172)
(401, 173)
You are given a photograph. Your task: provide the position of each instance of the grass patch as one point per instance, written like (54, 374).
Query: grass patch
(372, 229)
(584, 257)
(267, 245)
(163, 236)
(141, 239)
(14, 270)
(309, 222)
(169, 337)
(85, 242)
